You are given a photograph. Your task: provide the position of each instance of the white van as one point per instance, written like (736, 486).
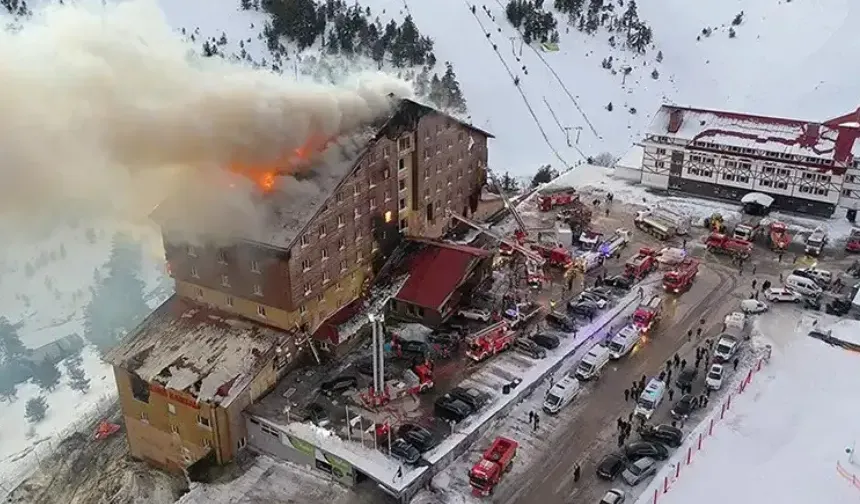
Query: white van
(561, 394)
(650, 399)
(624, 341)
(803, 285)
(590, 365)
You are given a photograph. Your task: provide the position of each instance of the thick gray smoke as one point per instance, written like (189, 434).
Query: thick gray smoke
(106, 110)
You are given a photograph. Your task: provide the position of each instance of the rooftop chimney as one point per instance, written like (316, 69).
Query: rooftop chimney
(676, 118)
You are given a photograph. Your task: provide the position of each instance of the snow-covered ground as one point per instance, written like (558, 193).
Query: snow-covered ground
(783, 437)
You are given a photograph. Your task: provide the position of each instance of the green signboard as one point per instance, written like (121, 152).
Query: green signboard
(302, 446)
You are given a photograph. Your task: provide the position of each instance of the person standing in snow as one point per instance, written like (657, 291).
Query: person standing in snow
(671, 393)
(576, 473)
(626, 395)
(537, 422)
(736, 361)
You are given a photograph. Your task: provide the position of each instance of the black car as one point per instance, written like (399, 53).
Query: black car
(317, 414)
(338, 385)
(546, 340)
(417, 436)
(561, 321)
(639, 449)
(402, 450)
(838, 307)
(611, 466)
(414, 347)
(583, 309)
(447, 339)
(687, 377)
(665, 434)
(365, 367)
(473, 397)
(812, 303)
(451, 409)
(683, 408)
(619, 282)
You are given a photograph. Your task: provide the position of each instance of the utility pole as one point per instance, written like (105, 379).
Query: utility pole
(513, 46)
(521, 47)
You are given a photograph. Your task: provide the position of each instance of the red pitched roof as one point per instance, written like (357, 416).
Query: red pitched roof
(436, 272)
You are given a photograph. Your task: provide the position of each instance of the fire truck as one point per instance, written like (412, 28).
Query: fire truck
(681, 278)
(487, 472)
(590, 240)
(662, 223)
(816, 241)
(648, 314)
(550, 200)
(779, 237)
(644, 262)
(614, 243)
(722, 244)
(853, 243)
(748, 229)
(489, 341)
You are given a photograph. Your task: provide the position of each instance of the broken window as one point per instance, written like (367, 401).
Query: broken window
(139, 388)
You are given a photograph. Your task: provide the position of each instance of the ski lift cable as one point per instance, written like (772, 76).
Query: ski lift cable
(519, 88)
(558, 78)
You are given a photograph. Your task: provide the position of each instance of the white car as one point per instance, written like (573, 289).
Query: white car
(714, 378)
(614, 496)
(751, 306)
(475, 314)
(781, 295)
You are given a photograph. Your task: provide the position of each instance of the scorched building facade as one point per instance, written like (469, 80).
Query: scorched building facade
(243, 312)
(805, 166)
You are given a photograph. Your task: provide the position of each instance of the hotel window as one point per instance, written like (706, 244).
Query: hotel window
(306, 264)
(222, 257)
(174, 429)
(255, 266)
(229, 301)
(191, 250)
(386, 151)
(372, 203)
(402, 184)
(199, 293)
(324, 254)
(402, 203)
(661, 151)
(258, 291)
(356, 189)
(341, 244)
(427, 153)
(302, 310)
(404, 144)
(339, 197)
(306, 240)
(204, 421)
(171, 408)
(322, 230)
(343, 265)
(326, 278)
(194, 272)
(401, 164)
(780, 185)
(207, 443)
(261, 311)
(341, 222)
(308, 289)
(659, 164)
(225, 281)
(356, 212)
(387, 195)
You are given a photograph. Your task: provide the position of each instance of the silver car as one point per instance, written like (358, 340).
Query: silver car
(614, 496)
(639, 470)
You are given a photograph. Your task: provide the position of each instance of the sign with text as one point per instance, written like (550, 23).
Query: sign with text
(174, 396)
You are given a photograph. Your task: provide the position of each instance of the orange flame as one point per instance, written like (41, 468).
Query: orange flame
(265, 176)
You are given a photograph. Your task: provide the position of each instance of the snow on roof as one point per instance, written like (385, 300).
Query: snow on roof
(811, 141)
(632, 158)
(758, 198)
(195, 349)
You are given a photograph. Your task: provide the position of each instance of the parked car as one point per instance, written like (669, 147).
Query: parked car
(687, 377)
(619, 282)
(451, 409)
(365, 367)
(664, 434)
(414, 347)
(475, 314)
(473, 397)
(317, 414)
(781, 295)
(405, 452)
(604, 292)
(838, 307)
(714, 378)
(530, 348)
(751, 306)
(546, 340)
(636, 472)
(338, 385)
(822, 277)
(583, 309)
(639, 449)
(419, 437)
(683, 408)
(611, 466)
(613, 496)
(600, 301)
(561, 321)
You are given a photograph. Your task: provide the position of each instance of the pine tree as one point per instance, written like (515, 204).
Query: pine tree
(630, 16)
(8, 389)
(36, 409)
(659, 56)
(544, 174)
(245, 4)
(509, 184)
(117, 304)
(46, 375)
(454, 96)
(437, 92)
(77, 377)
(10, 343)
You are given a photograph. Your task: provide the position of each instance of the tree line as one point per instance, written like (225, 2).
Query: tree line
(602, 13)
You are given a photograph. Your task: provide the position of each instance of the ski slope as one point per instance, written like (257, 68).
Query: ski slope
(782, 439)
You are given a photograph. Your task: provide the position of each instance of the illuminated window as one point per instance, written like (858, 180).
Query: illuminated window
(388, 216)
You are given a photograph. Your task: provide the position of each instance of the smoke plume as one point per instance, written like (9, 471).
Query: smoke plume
(106, 111)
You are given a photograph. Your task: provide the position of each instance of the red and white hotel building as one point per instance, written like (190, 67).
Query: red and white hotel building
(806, 167)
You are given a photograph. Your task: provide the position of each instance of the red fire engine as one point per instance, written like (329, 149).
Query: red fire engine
(721, 244)
(487, 472)
(853, 243)
(546, 202)
(681, 278)
(780, 239)
(489, 341)
(644, 262)
(648, 314)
